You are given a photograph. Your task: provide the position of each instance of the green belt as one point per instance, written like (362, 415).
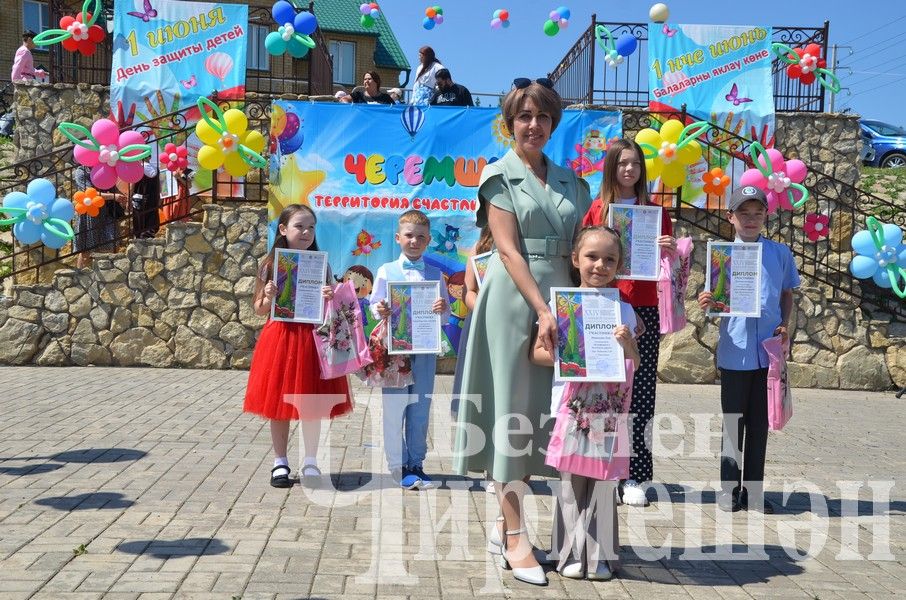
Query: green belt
(547, 246)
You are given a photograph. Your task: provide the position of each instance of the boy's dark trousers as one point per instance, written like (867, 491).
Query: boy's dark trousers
(744, 402)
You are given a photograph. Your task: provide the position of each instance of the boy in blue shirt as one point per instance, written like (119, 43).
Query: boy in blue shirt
(406, 410)
(743, 362)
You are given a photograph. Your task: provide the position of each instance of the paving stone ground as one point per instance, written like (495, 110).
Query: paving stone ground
(152, 483)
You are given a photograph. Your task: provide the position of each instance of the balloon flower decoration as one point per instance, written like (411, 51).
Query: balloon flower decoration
(615, 51)
(370, 11)
(670, 151)
(500, 18)
(806, 65)
(227, 141)
(780, 179)
(174, 158)
(110, 154)
(294, 32)
(715, 182)
(816, 226)
(78, 33)
(881, 255)
(434, 15)
(88, 202)
(38, 215)
(559, 19)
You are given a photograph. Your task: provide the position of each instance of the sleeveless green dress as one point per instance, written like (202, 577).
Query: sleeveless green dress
(503, 423)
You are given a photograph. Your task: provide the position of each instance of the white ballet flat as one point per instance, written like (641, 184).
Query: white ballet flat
(573, 569)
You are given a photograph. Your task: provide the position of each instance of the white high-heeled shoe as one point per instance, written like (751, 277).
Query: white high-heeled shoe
(495, 544)
(574, 569)
(533, 575)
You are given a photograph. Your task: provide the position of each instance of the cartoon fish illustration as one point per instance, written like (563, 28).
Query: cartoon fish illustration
(365, 244)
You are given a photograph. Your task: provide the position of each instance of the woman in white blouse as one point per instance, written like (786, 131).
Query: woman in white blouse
(425, 76)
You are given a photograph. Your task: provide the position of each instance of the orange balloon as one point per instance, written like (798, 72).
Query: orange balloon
(430, 12)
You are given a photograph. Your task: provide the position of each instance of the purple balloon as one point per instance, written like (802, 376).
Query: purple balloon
(439, 19)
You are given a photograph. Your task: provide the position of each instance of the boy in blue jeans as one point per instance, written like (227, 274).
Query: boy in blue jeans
(406, 410)
(743, 362)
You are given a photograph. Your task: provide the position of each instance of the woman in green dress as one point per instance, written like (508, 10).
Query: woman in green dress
(533, 208)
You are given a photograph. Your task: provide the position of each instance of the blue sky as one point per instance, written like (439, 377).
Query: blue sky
(873, 75)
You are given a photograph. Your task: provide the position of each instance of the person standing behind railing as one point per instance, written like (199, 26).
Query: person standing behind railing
(425, 76)
(97, 234)
(23, 63)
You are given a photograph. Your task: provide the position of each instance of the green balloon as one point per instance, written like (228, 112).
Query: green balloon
(366, 21)
(439, 10)
(551, 28)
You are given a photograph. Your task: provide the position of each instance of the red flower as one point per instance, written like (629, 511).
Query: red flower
(816, 226)
(83, 38)
(809, 60)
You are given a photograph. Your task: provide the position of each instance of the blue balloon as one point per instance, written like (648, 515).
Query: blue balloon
(882, 278)
(863, 266)
(626, 44)
(863, 244)
(428, 23)
(564, 12)
(505, 24)
(893, 235)
(283, 12)
(305, 23)
(413, 118)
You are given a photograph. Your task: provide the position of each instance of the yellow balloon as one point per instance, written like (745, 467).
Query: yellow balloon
(210, 158)
(689, 153)
(674, 174)
(206, 133)
(653, 168)
(278, 120)
(671, 130)
(234, 165)
(236, 121)
(255, 141)
(649, 136)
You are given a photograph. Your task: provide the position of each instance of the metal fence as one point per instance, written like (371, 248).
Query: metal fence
(583, 77)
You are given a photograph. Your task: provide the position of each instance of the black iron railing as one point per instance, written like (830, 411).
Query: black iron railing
(583, 77)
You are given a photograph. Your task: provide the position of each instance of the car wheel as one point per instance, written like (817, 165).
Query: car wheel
(894, 160)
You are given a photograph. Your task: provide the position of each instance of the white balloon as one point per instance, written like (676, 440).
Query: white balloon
(659, 13)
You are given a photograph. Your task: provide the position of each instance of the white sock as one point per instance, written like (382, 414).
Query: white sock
(281, 461)
(310, 460)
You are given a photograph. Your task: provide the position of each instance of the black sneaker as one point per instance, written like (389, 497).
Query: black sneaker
(424, 482)
(729, 501)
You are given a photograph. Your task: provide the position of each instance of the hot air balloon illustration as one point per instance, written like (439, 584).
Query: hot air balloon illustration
(218, 65)
(413, 118)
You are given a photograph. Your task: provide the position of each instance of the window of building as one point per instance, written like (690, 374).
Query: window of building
(35, 17)
(343, 55)
(257, 56)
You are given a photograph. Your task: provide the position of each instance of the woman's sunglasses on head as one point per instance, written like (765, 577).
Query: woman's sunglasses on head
(523, 82)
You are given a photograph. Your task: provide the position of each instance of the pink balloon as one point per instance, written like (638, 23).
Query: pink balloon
(84, 156)
(128, 138)
(753, 177)
(130, 172)
(796, 170)
(777, 162)
(563, 23)
(106, 131)
(103, 176)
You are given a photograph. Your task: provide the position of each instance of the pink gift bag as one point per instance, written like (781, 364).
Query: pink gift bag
(342, 347)
(780, 397)
(385, 370)
(671, 286)
(591, 433)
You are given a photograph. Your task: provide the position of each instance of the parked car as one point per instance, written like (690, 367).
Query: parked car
(888, 144)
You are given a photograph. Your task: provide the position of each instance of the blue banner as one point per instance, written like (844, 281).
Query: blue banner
(722, 73)
(167, 54)
(361, 166)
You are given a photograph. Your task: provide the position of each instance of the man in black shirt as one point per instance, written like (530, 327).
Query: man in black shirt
(449, 93)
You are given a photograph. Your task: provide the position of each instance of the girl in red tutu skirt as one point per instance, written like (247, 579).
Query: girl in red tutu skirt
(285, 378)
